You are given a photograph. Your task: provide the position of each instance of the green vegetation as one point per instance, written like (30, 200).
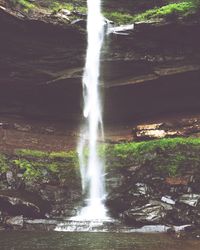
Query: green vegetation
(25, 4)
(117, 15)
(41, 166)
(119, 18)
(196, 3)
(3, 164)
(50, 5)
(30, 172)
(55, 6)
(167, 157)
(31, 153)
(170, 11)
(70, 155)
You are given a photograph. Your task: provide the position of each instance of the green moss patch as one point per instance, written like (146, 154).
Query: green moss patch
(39, 166)
(55, 6)
(172, 10)
(169, 11)
(167, 157)
(31, 153)
(4, 166)
(119, 17)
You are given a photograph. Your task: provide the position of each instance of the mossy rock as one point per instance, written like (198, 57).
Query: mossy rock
(166, 157)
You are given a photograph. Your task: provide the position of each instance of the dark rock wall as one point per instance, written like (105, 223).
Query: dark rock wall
(154, 69)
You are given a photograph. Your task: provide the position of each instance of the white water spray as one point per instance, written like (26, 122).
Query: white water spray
(92, 169)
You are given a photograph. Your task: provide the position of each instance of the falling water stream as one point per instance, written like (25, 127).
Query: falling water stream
(93, 216)
(92, 169)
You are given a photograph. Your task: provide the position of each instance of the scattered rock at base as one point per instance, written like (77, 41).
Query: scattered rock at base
(16, 203)
(190, 199)
(65, 12)
(168, 200)
(153, 212)
(16, 222)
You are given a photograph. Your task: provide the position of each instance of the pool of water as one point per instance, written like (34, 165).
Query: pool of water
(95, 241)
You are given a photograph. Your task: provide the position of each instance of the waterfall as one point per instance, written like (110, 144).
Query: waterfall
(93, 216)
(92, 168)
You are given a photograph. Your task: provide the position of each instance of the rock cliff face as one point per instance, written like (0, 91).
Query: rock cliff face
(150, 70)
(37, 66)
(158, 71)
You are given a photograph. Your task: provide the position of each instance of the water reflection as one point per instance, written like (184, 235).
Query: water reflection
(95, 241)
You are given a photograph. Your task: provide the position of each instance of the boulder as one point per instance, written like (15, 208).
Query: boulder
(142, 188)
(10, 178)
(16, 222)
(168, 200)
(13, 180)
(154, 213)
(190, 199)
(23, 203)
(63, 200)
(65, 12)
